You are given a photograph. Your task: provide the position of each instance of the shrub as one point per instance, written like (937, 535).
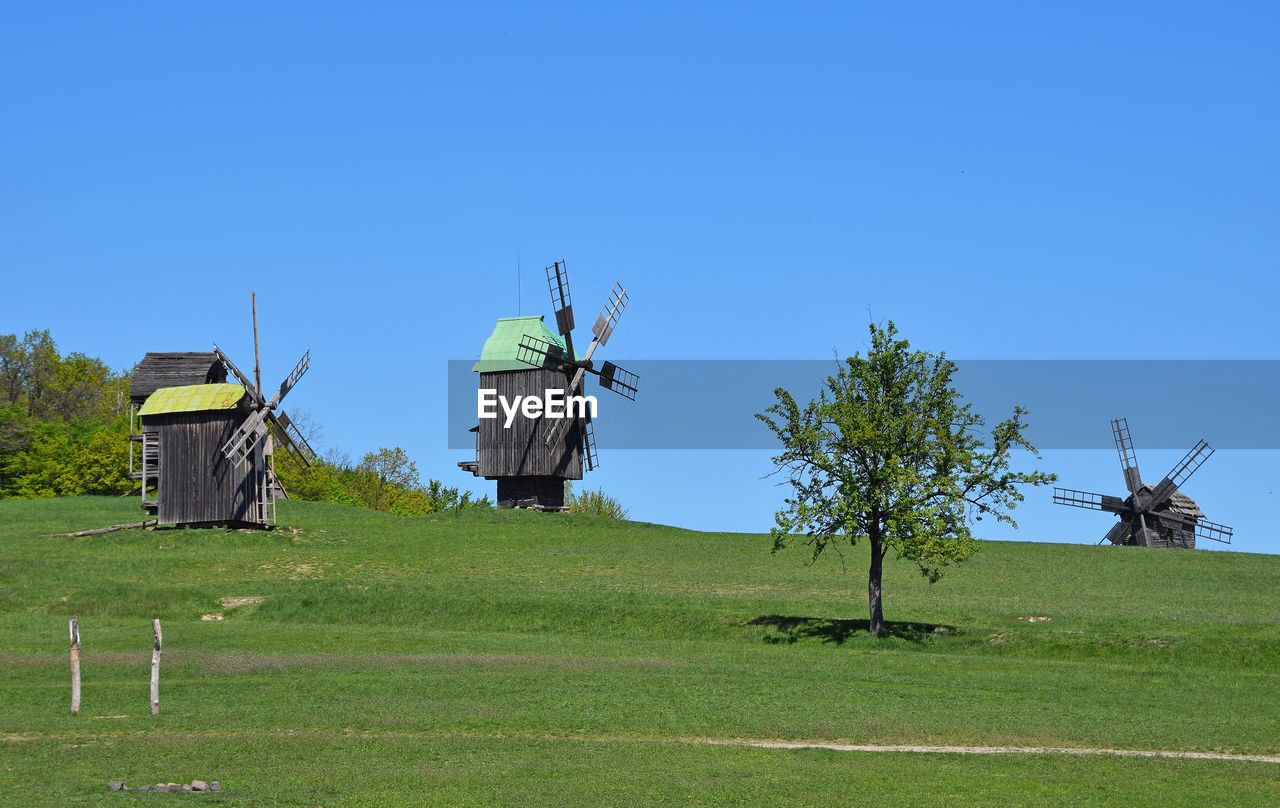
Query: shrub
(595, 503)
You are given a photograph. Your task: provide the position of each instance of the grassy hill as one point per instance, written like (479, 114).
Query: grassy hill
(514, 658)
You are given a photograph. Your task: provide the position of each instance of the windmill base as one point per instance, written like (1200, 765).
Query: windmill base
(541, 493)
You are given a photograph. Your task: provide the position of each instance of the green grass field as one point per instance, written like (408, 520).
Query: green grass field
(514, 658)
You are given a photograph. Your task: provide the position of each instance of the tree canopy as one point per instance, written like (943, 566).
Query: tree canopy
(64, 421)
(890, 453)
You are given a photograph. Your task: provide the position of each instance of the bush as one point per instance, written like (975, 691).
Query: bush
(595, 503)
(387, 480)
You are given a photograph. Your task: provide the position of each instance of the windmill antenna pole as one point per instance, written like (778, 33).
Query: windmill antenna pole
(257, 360)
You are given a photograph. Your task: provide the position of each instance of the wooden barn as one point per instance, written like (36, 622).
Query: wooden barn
(196, 483)
(157, 370)
(529, 472)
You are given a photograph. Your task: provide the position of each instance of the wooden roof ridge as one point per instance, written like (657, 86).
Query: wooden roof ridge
(1182, 504)
(174, 369)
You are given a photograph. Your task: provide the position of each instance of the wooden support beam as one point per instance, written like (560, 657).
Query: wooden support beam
(75, 666)
(155, 667)
(99, 531)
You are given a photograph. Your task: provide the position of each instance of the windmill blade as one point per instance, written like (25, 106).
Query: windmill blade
(1118, 534)
(244, 380)
(623, 382)
(1128, 460)
(559, 425)
(1180, 473)
(588, 442)
(1089, 500)
(1213, 531)
(562, 302)
(246, 437)
(539, 353)
(609, 315)
(292, 380)
(291, 438)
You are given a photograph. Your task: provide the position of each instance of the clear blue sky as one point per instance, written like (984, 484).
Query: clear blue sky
(1003, 180)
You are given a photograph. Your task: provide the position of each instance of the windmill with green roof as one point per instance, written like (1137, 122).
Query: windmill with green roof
(532, 455)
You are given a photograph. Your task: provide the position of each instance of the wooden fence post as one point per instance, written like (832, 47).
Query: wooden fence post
(75, 666)
(155, 668)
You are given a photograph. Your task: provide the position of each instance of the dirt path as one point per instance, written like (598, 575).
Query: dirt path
(988, 750)
(744, 742)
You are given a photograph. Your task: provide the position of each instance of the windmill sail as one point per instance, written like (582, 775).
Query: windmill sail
(1128, 459)
(561, 302)
(1181, 472)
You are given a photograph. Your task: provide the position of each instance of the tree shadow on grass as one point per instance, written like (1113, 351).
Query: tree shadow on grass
(791, 629)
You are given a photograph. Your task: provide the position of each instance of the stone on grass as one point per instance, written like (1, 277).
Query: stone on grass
(199, 785)
(116, 785)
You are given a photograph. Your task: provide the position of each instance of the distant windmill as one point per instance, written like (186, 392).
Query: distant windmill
(1159, 516)
(533, 457)
(207, 445)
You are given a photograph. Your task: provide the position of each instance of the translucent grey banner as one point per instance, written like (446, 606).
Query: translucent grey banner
(709, 404)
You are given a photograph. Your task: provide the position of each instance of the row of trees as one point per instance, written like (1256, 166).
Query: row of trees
(64, 421)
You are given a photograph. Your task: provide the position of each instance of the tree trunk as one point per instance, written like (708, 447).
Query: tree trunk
(875, 622)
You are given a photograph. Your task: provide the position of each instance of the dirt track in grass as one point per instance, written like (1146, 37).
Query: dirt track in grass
(989, 750)
(740, 742)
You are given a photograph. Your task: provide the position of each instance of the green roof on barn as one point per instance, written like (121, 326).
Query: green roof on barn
(192, 398)
(500, 348)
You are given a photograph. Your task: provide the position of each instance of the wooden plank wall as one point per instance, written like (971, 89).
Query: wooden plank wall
(519, 450)
(158, 370)
(197, 483)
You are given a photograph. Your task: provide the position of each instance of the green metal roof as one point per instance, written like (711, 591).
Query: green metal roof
(499, 351)
(192, 398)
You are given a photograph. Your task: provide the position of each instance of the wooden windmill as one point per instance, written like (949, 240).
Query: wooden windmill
(207, 445)
(533, 456)
(1151, 516)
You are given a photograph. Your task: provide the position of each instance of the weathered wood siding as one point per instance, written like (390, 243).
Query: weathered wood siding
(158, 370)
(519, 451)
(196, 482)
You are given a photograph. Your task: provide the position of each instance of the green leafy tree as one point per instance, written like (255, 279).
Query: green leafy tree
(78, 386)
(15, 430)
(890, 453)
(386, 480)
(63, 427)
(384, 476)
(102, 459)
(13, 370)
(66, 458)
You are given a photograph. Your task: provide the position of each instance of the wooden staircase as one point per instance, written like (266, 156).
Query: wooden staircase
(147, 470)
